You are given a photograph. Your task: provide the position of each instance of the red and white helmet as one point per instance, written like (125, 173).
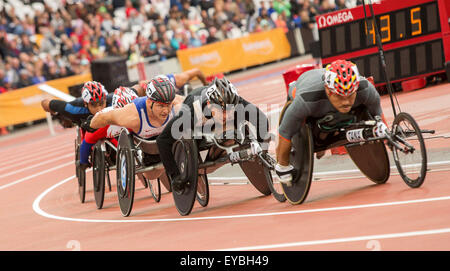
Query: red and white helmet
(161, 90)
(342, 77)
(123, 96)
(93, 92)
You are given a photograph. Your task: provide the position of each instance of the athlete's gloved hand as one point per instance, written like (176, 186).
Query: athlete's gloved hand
(86, 125)
(285, 173)
(255, 148)
(380, 129)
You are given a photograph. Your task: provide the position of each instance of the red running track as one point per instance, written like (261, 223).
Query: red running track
(41, 210)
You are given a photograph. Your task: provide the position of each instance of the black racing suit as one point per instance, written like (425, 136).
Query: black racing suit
(189, 115)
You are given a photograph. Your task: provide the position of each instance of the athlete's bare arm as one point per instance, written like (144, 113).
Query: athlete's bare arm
(140, 87)
(127, 117)
(177, 102)
(283, 150)
(185, 77)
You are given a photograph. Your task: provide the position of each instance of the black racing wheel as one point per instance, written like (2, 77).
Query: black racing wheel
(184, 152)
(202, 190)
(125, 173)
(98, 174)
(80, 174)
(303, 161)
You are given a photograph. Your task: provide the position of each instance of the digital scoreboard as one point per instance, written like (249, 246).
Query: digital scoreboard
(415, 35)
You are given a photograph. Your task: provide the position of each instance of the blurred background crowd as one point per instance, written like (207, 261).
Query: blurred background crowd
(43, 40)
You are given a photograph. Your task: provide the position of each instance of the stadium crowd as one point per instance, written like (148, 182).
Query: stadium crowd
(48, 39)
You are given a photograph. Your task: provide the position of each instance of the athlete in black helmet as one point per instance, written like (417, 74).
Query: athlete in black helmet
(205, 109)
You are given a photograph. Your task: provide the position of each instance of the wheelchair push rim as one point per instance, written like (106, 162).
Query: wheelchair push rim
(303, 161)
(411, 161)
(273, 179)
(155, 188)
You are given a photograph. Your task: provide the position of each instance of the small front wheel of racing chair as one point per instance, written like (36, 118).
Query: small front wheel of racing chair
(80, 173)
(408, 149)
(154, 186)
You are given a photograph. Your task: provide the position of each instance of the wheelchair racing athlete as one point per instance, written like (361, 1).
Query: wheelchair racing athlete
(122, 96)
(78, 110)
(145, 116)
(94, 97)
(206, 105)
(331, 92)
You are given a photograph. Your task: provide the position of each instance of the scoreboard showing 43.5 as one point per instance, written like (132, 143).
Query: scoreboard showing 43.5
(394, 26)
(412, 33)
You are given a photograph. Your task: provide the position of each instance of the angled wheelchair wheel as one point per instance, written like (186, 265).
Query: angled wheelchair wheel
(98, 174)
(273, 180)
(257, 174)
(411, 160)
(202, 190)
(125, 173)
(302, 159)
(80, 174)
(165, 182)
(184, 152)
(155, 188)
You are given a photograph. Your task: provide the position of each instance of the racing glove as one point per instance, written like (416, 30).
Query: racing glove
(380, 129)
(255, 148)
(285, 173)
(86, 125)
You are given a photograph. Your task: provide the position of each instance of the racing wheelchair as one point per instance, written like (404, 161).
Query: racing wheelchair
(219, 151)
(140, 157)
(356, 132)
(103, 160)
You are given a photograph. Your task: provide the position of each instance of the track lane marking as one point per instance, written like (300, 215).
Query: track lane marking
(341, 240)
(38, 210)
(35, 175)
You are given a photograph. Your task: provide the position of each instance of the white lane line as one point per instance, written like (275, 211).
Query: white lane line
(25, 148)
(35, 175)
(342, 240)
(33, 154)
(320, 175)
(36, 165)
(38, 210)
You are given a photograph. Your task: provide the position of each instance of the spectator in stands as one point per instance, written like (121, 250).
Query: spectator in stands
(281, 6)
(2, 78)
(24, 79)
(76, 32)
(38, 77)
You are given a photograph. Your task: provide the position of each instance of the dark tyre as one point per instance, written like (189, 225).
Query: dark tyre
(185, 152)
(303, 161)
(155, 189)
(125, 174)
(202, 190)
(98, 175)
(80, 174)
